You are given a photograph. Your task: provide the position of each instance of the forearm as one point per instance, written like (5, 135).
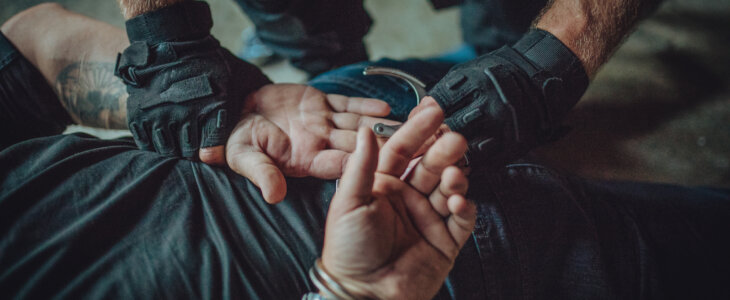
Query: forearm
(593, 29)
(133, 8)
(76, 55)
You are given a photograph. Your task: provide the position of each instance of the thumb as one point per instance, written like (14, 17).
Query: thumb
(215, 155)
(263, 172)
(357, 181)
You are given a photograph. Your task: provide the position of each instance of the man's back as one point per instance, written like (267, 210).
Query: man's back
(84, 216)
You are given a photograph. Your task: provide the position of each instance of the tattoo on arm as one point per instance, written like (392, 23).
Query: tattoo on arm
(92, 95)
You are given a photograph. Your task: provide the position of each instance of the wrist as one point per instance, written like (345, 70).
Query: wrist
(183, 21)
(133, 8)
(569, 24)
(332, 286)
(558, 72)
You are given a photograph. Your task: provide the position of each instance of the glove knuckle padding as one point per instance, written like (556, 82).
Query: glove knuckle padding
(182, 89)
(512, 100)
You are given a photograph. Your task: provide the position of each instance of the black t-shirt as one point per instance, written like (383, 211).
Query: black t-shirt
(82, 217)
(88, 217)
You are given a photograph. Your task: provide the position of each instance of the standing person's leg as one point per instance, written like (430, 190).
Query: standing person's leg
(490, 24)
(316, 35)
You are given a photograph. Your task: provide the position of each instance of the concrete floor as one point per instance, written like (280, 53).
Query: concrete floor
(658, 111)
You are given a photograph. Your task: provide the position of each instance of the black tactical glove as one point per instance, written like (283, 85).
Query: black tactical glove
(511, 100)
(185, 90)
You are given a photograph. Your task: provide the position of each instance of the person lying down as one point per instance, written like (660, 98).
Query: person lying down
(83, 217)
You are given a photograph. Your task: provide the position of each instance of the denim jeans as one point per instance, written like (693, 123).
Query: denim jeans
(543, 234)
(320, 35)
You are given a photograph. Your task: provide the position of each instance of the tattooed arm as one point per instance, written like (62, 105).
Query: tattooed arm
(76, 61)
(92, 95)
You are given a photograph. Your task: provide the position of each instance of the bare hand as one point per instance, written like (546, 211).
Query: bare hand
(388, 238)
(295, 130)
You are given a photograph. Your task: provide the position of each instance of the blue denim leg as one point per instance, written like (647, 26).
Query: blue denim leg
(541, 234)
(350, 81)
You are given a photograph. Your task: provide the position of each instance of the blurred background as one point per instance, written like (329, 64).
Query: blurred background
(659, 111)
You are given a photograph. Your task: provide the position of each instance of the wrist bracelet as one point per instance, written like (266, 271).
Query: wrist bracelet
(327, 286)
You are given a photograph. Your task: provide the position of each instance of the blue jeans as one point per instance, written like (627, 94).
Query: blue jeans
(320, 35)
(542, 234)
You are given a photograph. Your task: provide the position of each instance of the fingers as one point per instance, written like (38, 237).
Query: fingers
(363, 106)
(328, 164)
(249, 151)
(400, 148)
(447, 151)
(343, 140)
(357, 181)
(430, 224)
(453, 181)
(348, 124)
(448, 200)
(353, 121)
(462, 219)
(213, 155)
(447, 231)
(263, 172)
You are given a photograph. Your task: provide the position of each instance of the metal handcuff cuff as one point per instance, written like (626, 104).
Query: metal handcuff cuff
(383, 130)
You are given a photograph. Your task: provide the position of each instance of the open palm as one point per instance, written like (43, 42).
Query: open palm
(390, 236)
(296, 130)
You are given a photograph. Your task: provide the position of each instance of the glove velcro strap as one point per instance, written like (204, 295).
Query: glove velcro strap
(136, 55)
(557, 70)
(456, 90)
(183, 90)
(187, 20)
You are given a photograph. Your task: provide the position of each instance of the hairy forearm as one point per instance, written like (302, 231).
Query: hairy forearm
(593, 29)
(76, 55)
(133, 8)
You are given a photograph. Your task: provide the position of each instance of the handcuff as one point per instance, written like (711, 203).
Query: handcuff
(383, 130)
(418, 87)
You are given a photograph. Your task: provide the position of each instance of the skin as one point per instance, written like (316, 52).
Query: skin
(405, 245)
(79, 64)
(592, 29)
(133, 8)
(296, 131)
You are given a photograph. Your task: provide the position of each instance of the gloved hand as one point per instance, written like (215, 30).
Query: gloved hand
(185, 90)
(511, 100)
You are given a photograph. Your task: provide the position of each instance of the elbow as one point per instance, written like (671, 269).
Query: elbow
(20, 20)
(27, 31)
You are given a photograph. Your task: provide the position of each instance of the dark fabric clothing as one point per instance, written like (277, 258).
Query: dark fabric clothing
(316, 35)
(319, 35)
(87, 218)
(490, 24)
(28, 106)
